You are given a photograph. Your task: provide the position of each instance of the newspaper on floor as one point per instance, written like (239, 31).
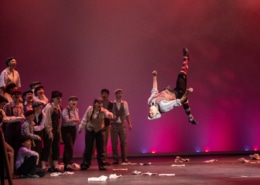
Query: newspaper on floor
(136, 172)
(167, 174)
(210, 161)
(128, 163)
(178, 165)
(56, 174)
(114, 176)
(254, 156)
(149, 174)
(243, 160)
(179, 159)
(120, 169)
(101, 178)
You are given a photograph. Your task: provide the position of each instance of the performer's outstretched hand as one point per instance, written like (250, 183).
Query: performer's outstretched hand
(185, 96)
(154, 73)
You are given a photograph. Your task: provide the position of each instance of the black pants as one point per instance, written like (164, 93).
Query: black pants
(38, 143)
(28, 167)
(51, 147)
(68, 136)
(181, 85)
(90, 137)
(12, 133)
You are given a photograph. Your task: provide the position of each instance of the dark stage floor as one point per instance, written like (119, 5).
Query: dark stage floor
(224, 170)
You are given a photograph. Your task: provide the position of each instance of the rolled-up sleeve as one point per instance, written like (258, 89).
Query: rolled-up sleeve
(84, 120)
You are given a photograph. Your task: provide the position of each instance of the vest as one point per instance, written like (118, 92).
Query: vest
(119, 112)
(39, 120)
(96, 124)
(110, 108)
(9, 110)
(55, 117)
(64, 123)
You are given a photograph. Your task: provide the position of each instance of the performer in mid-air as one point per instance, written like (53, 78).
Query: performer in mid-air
(167, 99)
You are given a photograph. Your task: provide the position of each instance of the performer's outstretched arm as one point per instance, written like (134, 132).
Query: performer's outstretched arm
(155, 86)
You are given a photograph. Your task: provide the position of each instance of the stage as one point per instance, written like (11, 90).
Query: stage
(205, 169)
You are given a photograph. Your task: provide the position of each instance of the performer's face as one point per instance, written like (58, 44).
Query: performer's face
(73, 103)
(153, 111)
(56, 100)
(12, 63)
(30, 118)
(105, 95)
(119, 95)
(98, 105)
(27, 143)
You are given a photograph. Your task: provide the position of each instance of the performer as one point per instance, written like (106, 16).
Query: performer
(168, 98)
(118, 127)
(70, 116)
(94, 124)
(9, 75)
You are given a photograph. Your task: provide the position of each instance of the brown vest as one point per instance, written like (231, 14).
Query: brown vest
(96, 124)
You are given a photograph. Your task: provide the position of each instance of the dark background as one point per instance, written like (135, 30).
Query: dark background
(82, 46)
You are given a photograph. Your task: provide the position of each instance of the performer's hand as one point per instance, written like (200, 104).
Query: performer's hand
(39, 138)
(185, 96)
(154, 73)
(79, 130)
(114, 116)
(130, 127)
(77, 120)
(21, 119)
(50, 136)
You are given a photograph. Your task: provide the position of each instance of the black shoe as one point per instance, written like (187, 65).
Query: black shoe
(40, 172)
(192, 120)
(68, 169)
(106, 164)
(51, 169)
(102, 168)
(115, 162)
(56, 170)
(186, 53)
(32, 176)
(84, 166)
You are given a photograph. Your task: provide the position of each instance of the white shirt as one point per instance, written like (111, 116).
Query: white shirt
(8, 77)
(164, 104)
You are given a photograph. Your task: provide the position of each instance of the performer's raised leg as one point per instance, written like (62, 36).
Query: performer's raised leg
(181, 86)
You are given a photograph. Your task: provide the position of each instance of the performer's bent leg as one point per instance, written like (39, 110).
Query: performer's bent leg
(181, 85)
(181, 82)
(186, 108)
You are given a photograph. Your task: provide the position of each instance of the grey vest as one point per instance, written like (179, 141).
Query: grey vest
(119, 112)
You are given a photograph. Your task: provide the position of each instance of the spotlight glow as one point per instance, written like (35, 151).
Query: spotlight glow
(144, 151)
(198, 149)
(246, 148)
(206, 149)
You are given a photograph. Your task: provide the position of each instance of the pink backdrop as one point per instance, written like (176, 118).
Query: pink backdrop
(80, 47)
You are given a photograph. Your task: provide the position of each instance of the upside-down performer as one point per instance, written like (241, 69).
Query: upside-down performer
(167, 99)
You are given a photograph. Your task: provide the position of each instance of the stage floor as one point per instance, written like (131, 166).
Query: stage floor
(210, 170)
